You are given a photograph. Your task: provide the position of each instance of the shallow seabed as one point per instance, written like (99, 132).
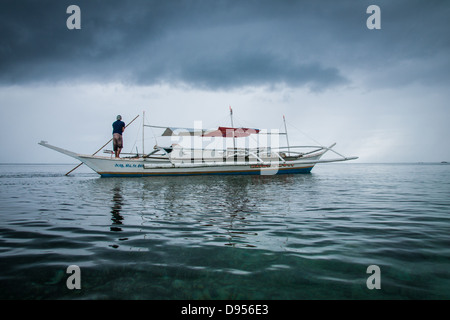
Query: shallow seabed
(305, 236)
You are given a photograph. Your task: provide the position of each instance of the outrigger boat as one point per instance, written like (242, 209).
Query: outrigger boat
(177, 160)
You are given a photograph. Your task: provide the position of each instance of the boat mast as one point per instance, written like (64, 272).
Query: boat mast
(285, 130)
(232, 126)
(143, 126)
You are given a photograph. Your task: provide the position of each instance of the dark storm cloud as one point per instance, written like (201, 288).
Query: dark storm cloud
(214, 44)
(238, 69)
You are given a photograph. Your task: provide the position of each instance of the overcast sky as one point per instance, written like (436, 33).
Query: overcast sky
(381, 94)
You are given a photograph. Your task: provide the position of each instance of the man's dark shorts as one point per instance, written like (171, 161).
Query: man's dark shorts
(117, 141)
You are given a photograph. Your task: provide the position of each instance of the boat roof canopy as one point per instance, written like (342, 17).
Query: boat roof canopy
(224, 132)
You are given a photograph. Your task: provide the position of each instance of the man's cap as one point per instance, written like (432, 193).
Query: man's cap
(119, 117)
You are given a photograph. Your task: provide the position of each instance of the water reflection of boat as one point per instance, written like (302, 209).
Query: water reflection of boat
(177, 160)
(116, 209)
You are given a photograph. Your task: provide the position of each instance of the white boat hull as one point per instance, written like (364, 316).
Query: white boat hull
(138, 167)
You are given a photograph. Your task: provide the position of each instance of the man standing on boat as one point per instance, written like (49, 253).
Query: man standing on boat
(118, 128)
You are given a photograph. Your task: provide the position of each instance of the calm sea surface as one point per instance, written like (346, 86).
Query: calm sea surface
(309, 236)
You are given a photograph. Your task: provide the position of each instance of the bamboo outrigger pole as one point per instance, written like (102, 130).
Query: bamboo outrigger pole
(101, 147)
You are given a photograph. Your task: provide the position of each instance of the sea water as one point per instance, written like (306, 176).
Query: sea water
(304, 236)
